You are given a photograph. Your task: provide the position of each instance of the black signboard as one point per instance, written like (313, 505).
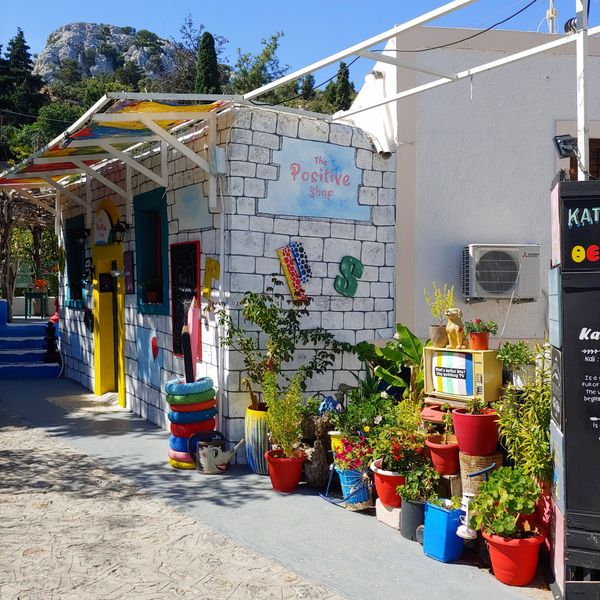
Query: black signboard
(580, 225)
(129, 273)
(185, 286)
(581, 389)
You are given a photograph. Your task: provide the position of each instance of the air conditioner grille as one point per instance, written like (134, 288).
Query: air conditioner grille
(466, 258)
(497, 271)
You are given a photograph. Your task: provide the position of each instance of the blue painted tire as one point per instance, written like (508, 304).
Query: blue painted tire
(179, 444)
(180, 388)
(183, 418)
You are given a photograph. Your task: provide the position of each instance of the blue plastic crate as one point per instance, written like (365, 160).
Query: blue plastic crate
(440, 540)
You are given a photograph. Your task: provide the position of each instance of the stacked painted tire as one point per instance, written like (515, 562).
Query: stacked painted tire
(192, 410)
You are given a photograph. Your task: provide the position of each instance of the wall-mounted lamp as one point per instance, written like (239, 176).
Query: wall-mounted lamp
(81, 235)
(89, 271)
(119, 229)
(566, 146)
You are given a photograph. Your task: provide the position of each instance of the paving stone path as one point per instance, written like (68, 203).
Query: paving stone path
(71, 529)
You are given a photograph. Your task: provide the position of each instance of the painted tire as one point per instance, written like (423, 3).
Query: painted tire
(191, 398)
(177, 464)
(176, 386)
(186, 408)
(185, 431)
(185, 418)
(178, 443)
(180, 456)
(257, 442)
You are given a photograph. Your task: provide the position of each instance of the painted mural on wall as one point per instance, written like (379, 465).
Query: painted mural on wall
(191, 208)
(315, 180)
(296, 268)
(149, 356)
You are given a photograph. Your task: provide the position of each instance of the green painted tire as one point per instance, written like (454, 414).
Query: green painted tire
(191, 398)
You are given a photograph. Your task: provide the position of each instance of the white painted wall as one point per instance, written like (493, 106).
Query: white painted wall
(484, 165)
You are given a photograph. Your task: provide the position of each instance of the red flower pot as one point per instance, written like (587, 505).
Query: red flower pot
(444, 456)
(514, 561)
(476, 435)
(284, 472)
(386, 483)
(479, 341)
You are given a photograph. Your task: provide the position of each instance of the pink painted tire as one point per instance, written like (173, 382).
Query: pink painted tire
(180, 456)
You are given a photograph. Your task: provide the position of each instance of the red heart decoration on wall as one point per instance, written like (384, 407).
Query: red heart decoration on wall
(154, 347)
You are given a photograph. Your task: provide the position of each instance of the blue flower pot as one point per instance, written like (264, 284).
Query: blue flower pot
(356, 488)
(440, 540)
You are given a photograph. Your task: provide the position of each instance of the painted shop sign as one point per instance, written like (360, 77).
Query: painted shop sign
(102, 228)
(579, 216)
(315, 180)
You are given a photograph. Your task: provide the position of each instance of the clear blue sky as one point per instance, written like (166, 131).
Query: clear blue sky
(312, 30)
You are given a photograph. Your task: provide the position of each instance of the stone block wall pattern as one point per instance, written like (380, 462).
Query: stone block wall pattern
(253, 139)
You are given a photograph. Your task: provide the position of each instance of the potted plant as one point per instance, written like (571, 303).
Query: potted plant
(351, 464)
(441, 300)
(443, 447)
(497, 509)
(524, 426)
(442, 519)
(518, 360)
(421, 483)
(284, 421)
(476, 428)
(479, 333)
(270, 346)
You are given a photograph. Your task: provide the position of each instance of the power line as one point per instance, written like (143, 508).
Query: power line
(20, 114)
(470, 37)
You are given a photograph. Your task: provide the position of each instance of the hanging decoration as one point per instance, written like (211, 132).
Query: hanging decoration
(296, 268)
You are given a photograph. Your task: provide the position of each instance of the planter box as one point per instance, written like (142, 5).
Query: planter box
(440, 540)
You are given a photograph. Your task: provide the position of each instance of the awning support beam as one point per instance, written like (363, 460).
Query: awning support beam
(61, 188)
(175, 143)
(392, 60)
(31, 198)
(128, 160)
(101, 178)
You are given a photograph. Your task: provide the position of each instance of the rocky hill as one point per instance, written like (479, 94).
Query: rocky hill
(100, 49)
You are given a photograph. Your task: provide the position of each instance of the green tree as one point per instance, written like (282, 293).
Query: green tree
(344, 89)
(129, 74)
(251, 72)
(207, 68)
(68, 72)
(19, 87)
(307, 87)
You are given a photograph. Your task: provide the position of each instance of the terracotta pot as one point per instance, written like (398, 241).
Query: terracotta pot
(479, 341)
(444, 456)
(386, 483)
(285, 472)
(438, 336)
(514, 561)
(476, 434)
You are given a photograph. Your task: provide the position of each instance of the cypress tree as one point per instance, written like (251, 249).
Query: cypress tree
(207, 68)
(307, 87)
(343, 89)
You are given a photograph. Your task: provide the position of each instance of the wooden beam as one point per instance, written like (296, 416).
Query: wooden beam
(102, 179)
(393, 60)
(61, 188)
(175, 143)
(128, 160)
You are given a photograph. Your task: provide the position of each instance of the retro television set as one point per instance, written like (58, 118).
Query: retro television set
(456, 376)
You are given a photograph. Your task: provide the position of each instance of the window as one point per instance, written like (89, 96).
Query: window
(594, 160)
(75, 258)
(151, 247)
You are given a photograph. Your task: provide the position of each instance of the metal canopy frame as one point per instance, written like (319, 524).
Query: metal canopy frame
(581, 38)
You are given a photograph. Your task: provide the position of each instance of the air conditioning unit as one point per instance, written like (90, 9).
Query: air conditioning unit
(496, 271)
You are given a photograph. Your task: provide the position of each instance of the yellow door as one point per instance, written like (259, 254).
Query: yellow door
(109, 320)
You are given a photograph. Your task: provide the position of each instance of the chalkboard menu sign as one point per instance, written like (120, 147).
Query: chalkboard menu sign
(581, 389)
(580, 225)
(129, 273)
(185, 286)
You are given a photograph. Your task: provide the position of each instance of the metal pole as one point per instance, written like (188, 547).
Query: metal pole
(582, 102)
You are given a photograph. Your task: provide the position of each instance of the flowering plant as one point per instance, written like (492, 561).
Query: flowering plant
(355, 454)
(479, 326)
